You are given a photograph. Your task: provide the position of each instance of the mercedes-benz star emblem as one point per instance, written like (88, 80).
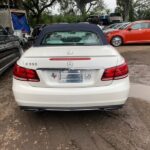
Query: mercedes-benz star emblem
(70, 52)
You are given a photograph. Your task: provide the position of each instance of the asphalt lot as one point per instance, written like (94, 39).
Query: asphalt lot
(125, 129)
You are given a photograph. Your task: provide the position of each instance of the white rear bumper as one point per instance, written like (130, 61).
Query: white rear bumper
(112, 95)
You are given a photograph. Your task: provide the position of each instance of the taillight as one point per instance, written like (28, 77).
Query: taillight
(25, 74)
(115, 73)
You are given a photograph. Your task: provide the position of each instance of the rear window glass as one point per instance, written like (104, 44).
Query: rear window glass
(71, 38)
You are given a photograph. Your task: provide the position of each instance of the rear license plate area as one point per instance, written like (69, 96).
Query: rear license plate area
(75, 76)
(71, 76)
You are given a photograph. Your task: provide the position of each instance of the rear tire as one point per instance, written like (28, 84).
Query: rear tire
(117, 41)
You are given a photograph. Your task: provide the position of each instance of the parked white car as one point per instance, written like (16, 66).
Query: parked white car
(71, 67)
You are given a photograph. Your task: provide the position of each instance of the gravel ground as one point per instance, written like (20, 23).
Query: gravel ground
(139, 63)
(125, 129)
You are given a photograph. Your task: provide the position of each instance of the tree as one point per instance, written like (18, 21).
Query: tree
(133, 9)
(141, 9)
(85, 6)
(123, 7)
(35, 8)
(68, 7)
(99, 8)
(82, 7)
(12, 3)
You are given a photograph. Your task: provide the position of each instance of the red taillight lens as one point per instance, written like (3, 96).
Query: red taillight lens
(24, 74)
(121, 71)
(116, 73)
(108, 74)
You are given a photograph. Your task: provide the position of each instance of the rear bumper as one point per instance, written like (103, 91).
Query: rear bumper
(73, 98)
(38, 109)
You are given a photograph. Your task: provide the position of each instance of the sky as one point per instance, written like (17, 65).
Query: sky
(111, 4)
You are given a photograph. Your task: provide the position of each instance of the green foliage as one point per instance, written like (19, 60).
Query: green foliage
(124, 7)
(50, 19)
(70, 11)
(35, 8)
(132, 10)
(39, 11)
(82, 7)
(142, 9)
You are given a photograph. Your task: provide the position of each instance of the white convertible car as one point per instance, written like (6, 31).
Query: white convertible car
(71, 67)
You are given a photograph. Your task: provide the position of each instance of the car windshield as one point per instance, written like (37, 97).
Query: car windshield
(71, 38)
(110, 26)
(117, 26)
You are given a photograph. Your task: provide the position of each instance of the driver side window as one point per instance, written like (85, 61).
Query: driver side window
(137, 26)
(144, 25)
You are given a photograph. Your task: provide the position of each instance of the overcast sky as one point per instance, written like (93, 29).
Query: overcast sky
(111, 4)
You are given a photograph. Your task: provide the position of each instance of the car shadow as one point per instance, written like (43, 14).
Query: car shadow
(137, 44)
(71, 116)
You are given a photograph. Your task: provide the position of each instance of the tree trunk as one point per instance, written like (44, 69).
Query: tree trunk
(38, 18)
(83, 10)
(127, 10)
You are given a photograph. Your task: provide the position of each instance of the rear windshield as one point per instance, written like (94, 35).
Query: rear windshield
(71, 38)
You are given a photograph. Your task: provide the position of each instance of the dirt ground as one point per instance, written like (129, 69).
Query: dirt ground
(125, 129)
(138, 58)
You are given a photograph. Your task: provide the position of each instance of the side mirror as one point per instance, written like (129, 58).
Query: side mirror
(129, 29)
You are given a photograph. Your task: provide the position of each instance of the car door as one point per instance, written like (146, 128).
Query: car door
(134, 33)
(146, 28)
(5, 55)
(2, 39)
(148, 32)
(13, 41)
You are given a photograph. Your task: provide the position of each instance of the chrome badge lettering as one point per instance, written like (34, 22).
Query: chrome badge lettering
(30, 64)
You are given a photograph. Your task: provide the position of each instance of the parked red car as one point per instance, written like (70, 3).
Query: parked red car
(136, 32)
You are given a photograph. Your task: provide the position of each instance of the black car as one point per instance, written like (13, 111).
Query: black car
(10, 49)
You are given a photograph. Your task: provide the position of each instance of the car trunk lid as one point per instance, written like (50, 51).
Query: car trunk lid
(76, 66)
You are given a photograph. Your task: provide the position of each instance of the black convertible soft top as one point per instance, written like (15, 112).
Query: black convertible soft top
(71, 27)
